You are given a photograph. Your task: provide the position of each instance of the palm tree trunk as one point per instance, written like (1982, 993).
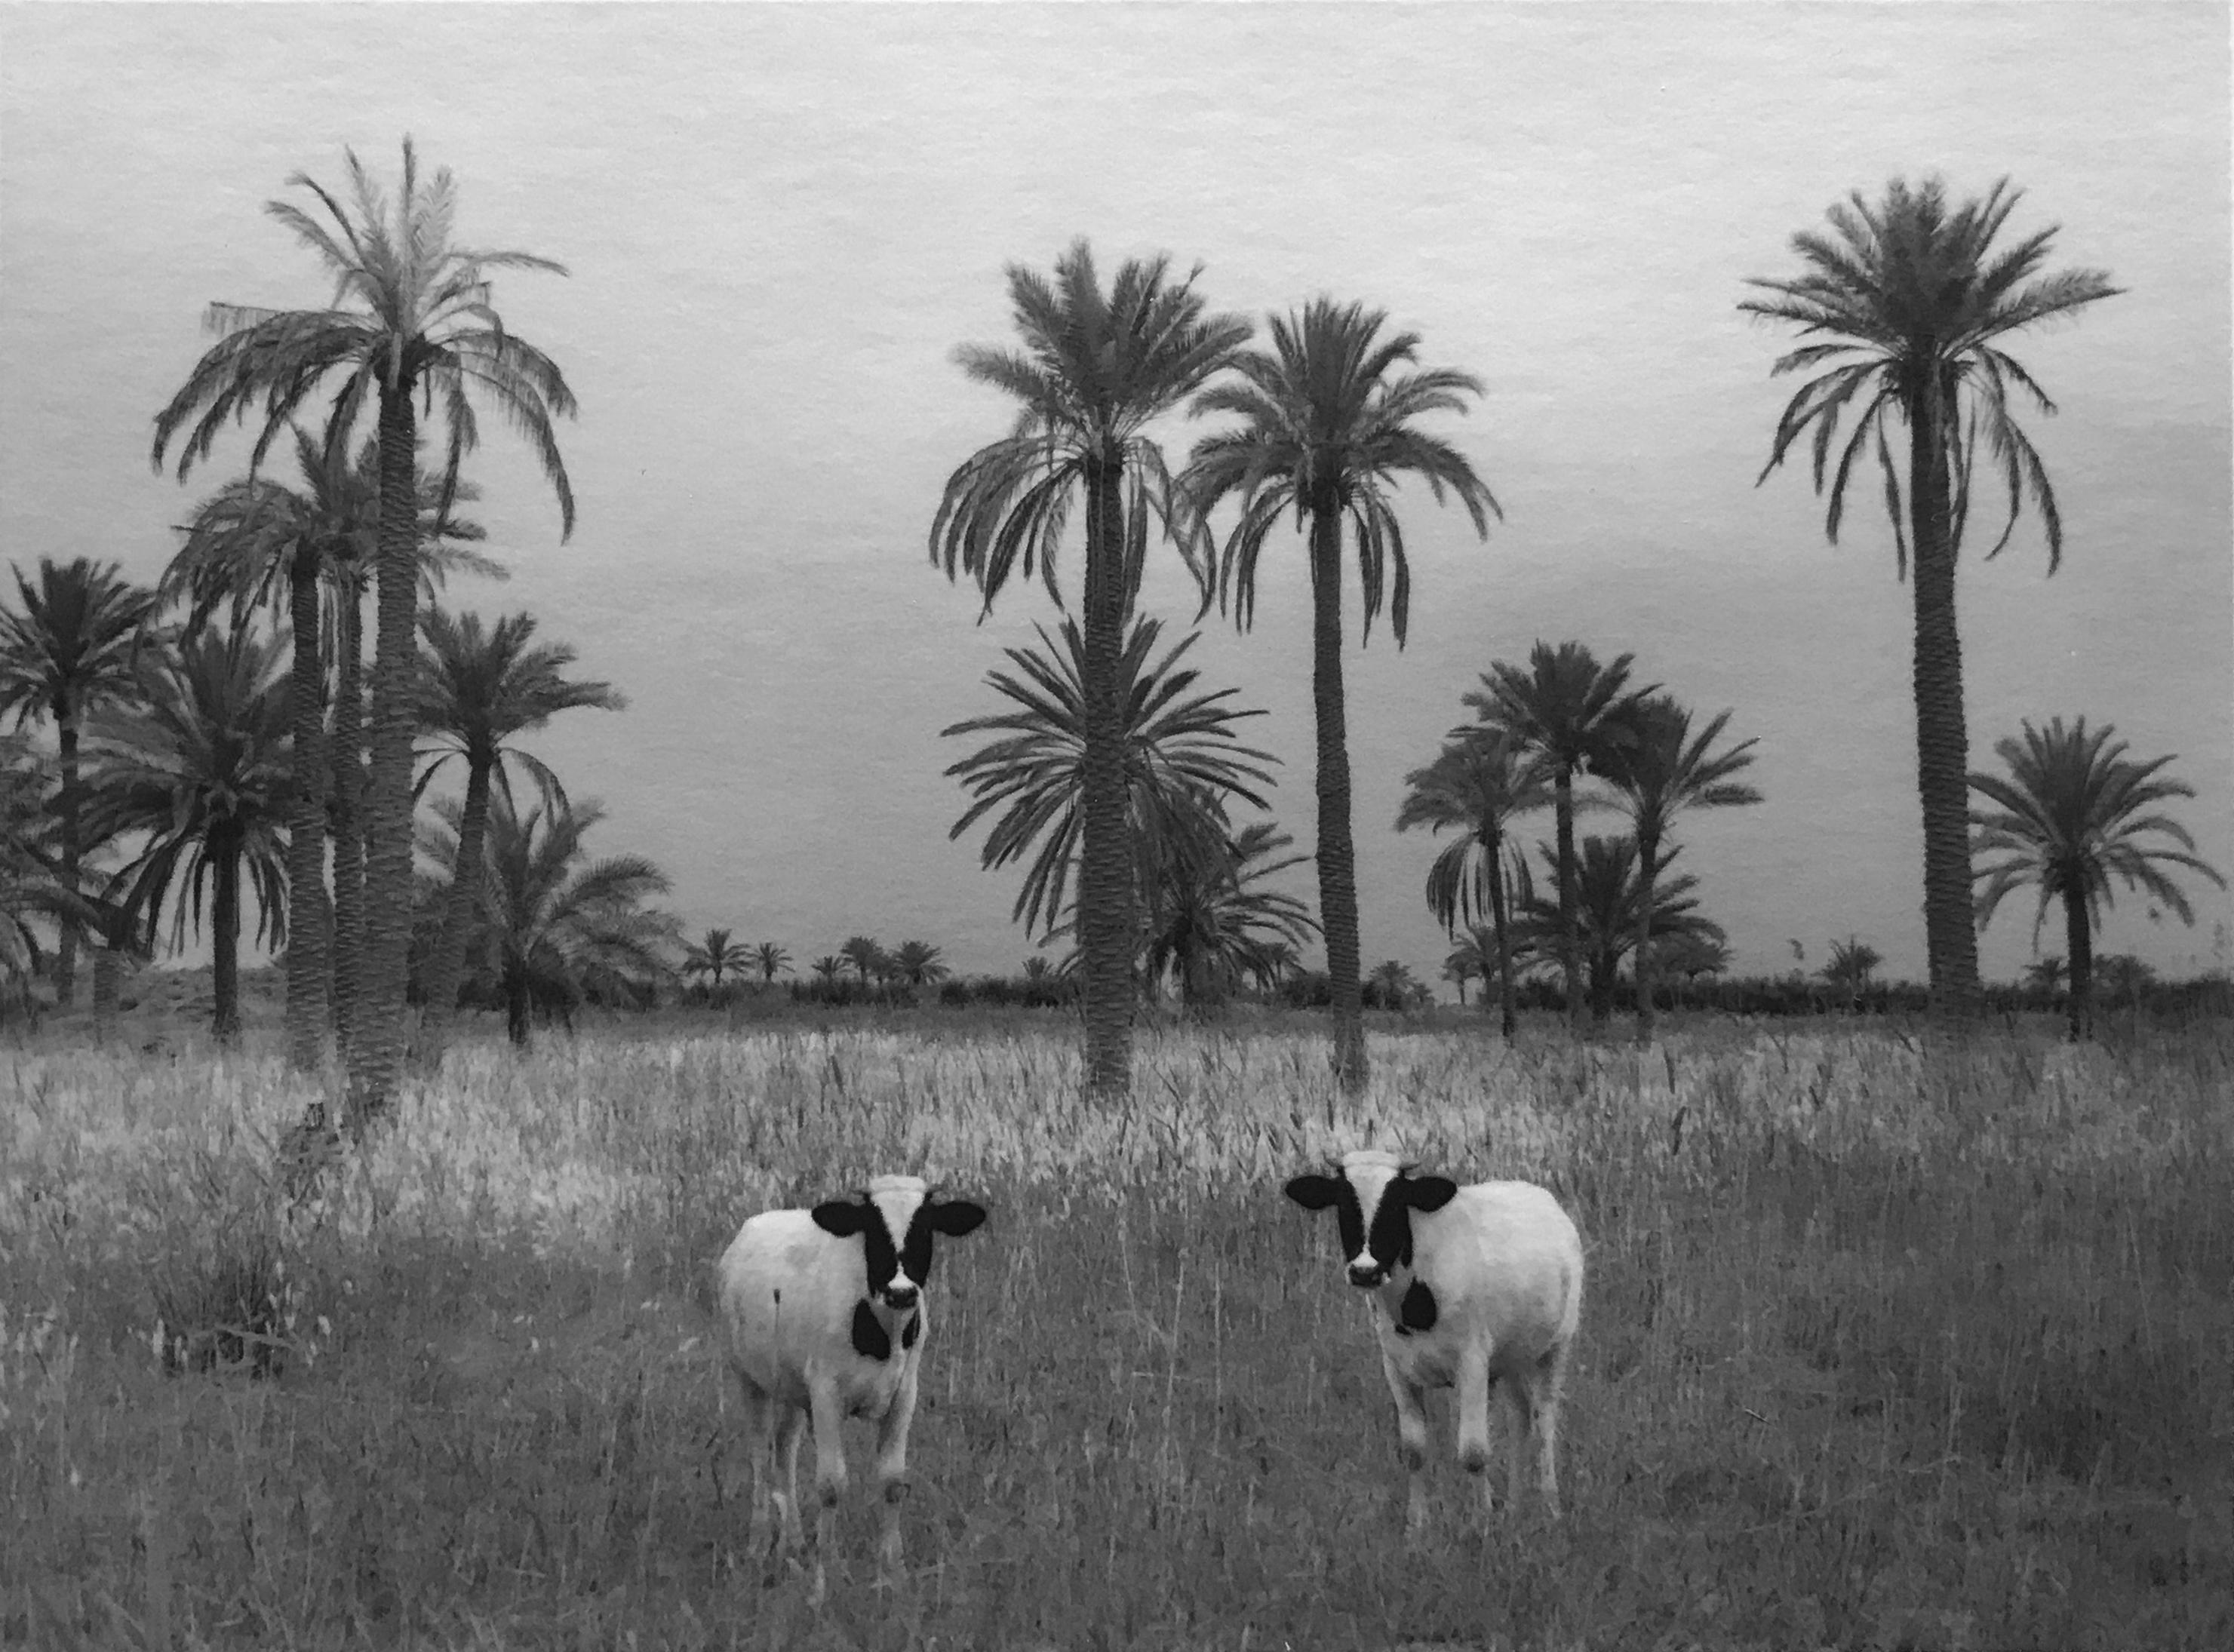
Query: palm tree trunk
(1338, 857)
(1647, 851)
(377, 1042)
(66, 943)
(108, 989)
(1495, 848)
(518, 1013)
(1942, 749)
(2079, 944)
(348, 823)
(1570, 944)
(225, 923)
(1105, 872)
(449, 965)
(308, 915)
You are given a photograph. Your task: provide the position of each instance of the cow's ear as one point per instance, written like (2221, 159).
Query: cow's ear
(1314, 1191)
(956, 1217)
(1429, 1192)
(843, 1217)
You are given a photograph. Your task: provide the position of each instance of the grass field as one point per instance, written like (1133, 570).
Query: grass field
(1884, 1346)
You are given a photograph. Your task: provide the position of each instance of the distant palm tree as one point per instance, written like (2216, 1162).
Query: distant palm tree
(1903, 310)
(67, 650)
(2046, 975)
(1690, 956)
(1853, 963)
(718, 955)
(1095, 369)
(771, 961)
(1467, 962)
(2124, 978)
(867, 957)
(1657, 773)
(420, 325)
(1393, 986)
(1180, 759)
(917, 964)
(32, 886)
(1328, 433)
(1569, 711)
(202, 770)
(827, 968)
(1213, 920)
(2073, 813)
(478, 691)
(1607, 892)
(554, 930)
(1479, 784)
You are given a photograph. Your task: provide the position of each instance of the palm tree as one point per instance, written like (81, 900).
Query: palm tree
(202, 768)
(1479, 784)
(553, 930)
(1905, 308)
(411, 317)
(1326, 431)
(1214, 921)
(1608, 893)
(2124, 978)
(771, 960)
(1180, 761)
(715, 957)
(917, 964)
(69, 649)
(1569, 711)
(1094, 371)
(478, 690)
(827, 968)
(1394, 987)
(1474, 958)
(864, 954)
(2073, 813)
(1659, 771)
(2045, 976)
(32, 887)
(1853, 963)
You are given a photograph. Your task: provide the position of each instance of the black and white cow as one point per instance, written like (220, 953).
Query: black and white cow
(1472, 1288)
(823, 1318)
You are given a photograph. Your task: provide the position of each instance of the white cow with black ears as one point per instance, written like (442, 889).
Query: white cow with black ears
(823, 1318)
(1472, 1288)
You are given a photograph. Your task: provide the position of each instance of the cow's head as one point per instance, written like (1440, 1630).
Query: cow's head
(1374, 1196)
(896, 1217)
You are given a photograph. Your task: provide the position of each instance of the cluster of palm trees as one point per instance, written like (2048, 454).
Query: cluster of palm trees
(1539, 729)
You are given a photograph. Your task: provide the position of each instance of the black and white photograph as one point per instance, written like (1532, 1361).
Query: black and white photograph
(1061, 825)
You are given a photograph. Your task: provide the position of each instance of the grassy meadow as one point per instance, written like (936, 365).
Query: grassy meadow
(1885, 1344)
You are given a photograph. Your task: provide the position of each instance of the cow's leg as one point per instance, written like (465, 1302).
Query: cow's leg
(1521, 1395)
(759, 1444)
(829, 1478)
(892, 1481)
(1411, 1444)
(1551, 1391)
(1473, 1385)
(790, 1430)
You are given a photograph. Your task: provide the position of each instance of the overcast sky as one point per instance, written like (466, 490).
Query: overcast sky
(780, 222)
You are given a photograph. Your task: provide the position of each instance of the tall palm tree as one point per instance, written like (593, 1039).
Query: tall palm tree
(479, 689)
(1479, 784)
(202, 768)
(411, 317)
(771, 960)
(555, 926)
(32, 887)
(256, 542)
(1906, 307)
(1327, 431)
(1608, 893)
(1659, 771)
(918, 962)
(69, 649)
(1215, 922)
(1095, 369)
(715, 957)
(1569, 711)
(1179, 760)
(2073, 813)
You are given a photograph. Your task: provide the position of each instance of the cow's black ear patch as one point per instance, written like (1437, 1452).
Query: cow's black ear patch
(956, 1217)
(870, 1340)
(1312, 1191)
(1429, 1192)
(1417, 1311)
(843, 1217)
(912, 1329)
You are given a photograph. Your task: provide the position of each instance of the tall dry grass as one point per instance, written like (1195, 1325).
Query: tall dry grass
(1884, 1344)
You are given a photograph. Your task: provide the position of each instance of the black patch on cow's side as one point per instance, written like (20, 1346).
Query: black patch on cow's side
(1417, 1311)
(912, 1329)
(870, 1340)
